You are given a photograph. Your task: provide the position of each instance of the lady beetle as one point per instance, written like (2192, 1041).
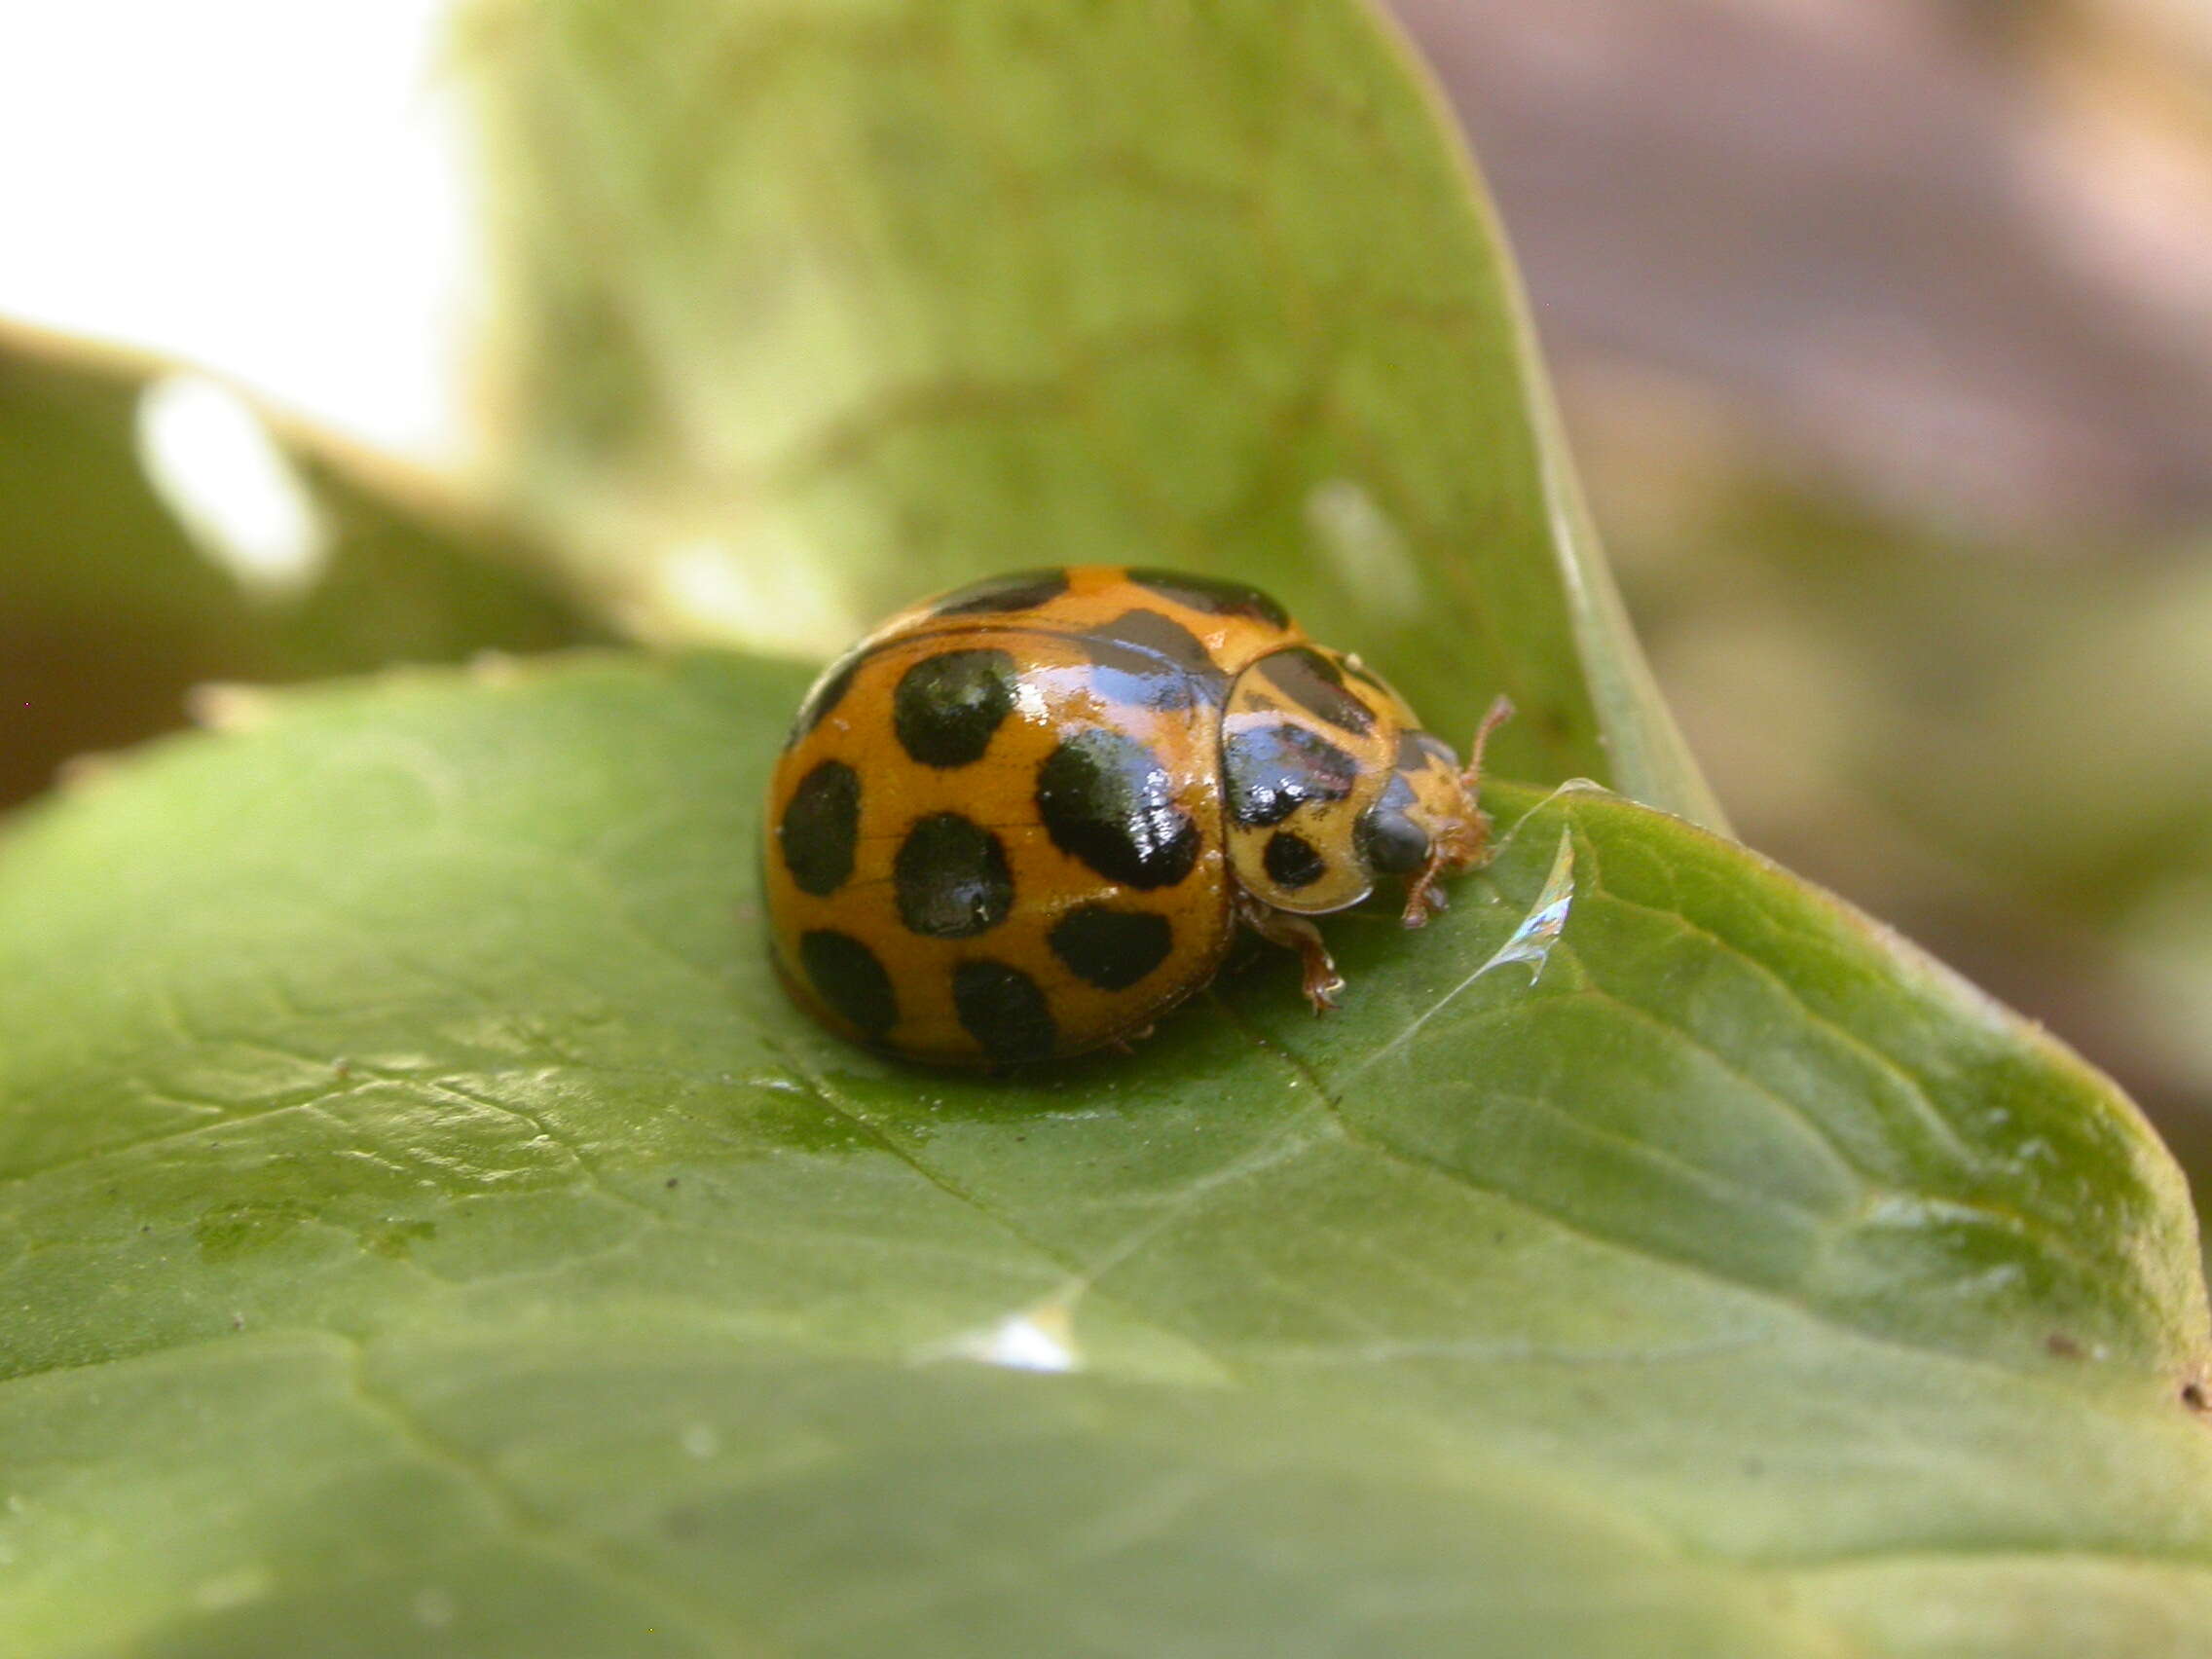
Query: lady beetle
(1022, 820)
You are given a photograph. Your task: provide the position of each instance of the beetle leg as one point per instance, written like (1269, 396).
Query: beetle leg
(1465, 841)
(1423, 898)
(1127, 1043)
(1296, 933)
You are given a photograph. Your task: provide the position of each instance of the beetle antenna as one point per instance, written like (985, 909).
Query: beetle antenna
(1500, 711)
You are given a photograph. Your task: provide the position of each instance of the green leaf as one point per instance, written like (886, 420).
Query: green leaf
(423, 1221)
(112, 609)
(813, 310)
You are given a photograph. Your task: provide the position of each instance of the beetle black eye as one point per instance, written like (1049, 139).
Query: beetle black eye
(1390, 843)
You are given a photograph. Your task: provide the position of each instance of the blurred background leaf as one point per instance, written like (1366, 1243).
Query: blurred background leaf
(1884, 336)
(123, 586)
(806, 313)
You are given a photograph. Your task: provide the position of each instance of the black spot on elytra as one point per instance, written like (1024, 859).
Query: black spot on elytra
(1155, 631)
(1021, 590)
(1418, 748)
(1390, 843)
(1004, 1010)
(1145, 659)
(850, 978)
(1212, 596)
(1291, 861)
(950, 878)
(1112, 949)
(947, 706)
(1318, 685)
(1137, 680)
(827, 692)
(1273, 770)
(819, 827)
(1108, 800)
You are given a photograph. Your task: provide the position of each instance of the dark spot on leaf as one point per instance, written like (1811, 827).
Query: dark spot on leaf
(231, 1231)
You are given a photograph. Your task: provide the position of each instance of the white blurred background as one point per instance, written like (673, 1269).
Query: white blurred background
(272, 189)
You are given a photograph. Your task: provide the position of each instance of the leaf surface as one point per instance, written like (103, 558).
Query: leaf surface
(422, 1220)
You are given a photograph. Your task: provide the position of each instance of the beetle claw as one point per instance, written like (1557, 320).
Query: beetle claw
(1322, 983)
